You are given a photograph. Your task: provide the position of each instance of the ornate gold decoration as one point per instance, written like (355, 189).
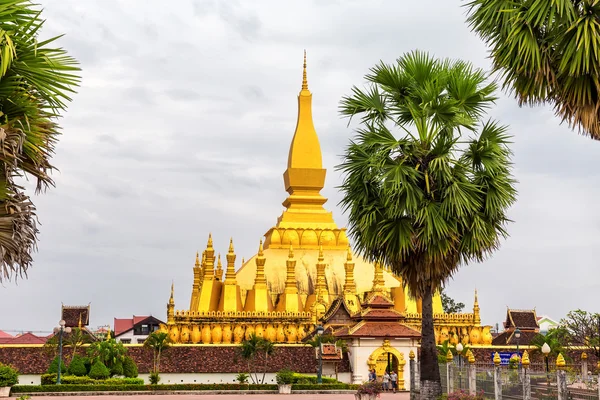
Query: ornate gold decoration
(411, 355)
(497, 359)
(525, 359)
(560, 361)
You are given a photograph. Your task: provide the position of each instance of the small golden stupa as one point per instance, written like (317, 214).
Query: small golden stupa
(304, 264)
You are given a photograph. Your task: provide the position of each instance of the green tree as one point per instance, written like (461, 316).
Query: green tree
(157, 341)
(546, 52)
(99, 370)
(109, 352)
(555, 338)
(73, 340)
(77, 366)
(53, 367)
(581, 328)
(450, 305)
(254, 348)
(130, 369)
(36, 80)
(421, 198)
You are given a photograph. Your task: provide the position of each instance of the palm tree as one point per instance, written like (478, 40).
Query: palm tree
(158, 341)
(253, 347)
(36, 80)
(419, 197)
(546, 52)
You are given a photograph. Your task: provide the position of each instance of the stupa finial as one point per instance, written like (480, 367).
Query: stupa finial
(231, 245)
(197, 260)
(209, 244)
(304, 80)
(321, 258)
(349, 254)
(260, 249)
(172, 299)
(291, 253)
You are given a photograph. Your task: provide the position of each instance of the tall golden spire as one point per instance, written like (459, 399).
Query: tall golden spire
(378, 282)
(476, 316)
(304, 80)
(321, 286)
(171, 306)
(230, 274)
(349, 284)
(305, 175)
(219, 269)
(209, 269)
(260, 279)
(196, 283)
(290, 281)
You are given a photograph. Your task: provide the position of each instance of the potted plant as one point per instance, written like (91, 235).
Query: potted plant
(8, 378)
(369, 391)
(285, 378)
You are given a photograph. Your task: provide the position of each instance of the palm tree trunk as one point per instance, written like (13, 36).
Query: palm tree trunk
(431, 387)
(157, 370)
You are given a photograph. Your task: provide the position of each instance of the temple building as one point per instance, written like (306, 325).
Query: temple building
(303, 273)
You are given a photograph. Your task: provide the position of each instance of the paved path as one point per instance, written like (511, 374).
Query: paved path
(384, 396)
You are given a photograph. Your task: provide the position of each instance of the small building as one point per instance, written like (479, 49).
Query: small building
(135, 330)
(546, 323)
(524, 320)
(26, 338)
(75, 316)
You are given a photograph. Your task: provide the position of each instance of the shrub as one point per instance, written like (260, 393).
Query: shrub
(117, 368)
(77, 366)
(463, 395)
(373, 388)
(311, 379)
(8, 376)
(285, 377)
(154, 378)
(53, 368)
(122, 381)
(130, 370)
(242, 377)
(48, 379)
(99, 370)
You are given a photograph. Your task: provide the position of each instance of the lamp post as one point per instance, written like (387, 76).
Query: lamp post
(60, 330)
(320, 331)
(518, 337)
(546, 351)
(459, 350)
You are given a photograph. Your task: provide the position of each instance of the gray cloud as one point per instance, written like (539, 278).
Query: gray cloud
(182, 127)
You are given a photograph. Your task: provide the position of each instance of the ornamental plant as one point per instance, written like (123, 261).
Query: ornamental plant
(463, 395)
(372, 388)
(8, 376)
(285, 377)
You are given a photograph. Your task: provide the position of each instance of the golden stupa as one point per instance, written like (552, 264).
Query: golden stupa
(303, 265)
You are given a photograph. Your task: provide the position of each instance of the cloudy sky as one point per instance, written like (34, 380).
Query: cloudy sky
(182, 125)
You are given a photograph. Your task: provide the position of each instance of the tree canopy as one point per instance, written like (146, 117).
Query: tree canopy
(546, 52)
(36, 82)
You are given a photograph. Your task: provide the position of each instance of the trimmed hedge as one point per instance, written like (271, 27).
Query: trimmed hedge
(311, 379)
(50, 379)
(182, 387)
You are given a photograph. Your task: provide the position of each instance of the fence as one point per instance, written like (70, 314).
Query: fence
(516, 382)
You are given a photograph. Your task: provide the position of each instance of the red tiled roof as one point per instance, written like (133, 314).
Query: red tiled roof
(508, 338)
(138, 319)
(379, 329)
(123, 325)
(4, 335)
(381, 313)
(378, 300)
(26, 338)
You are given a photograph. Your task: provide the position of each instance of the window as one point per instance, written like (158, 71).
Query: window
(141, 341)
(126, 341)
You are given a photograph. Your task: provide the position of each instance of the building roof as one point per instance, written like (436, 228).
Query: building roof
(378, 329)
(74, 315)
(123, 325)
(4, 335)
(26, 338)
(330, 352)
(508, 338)
(522, 319)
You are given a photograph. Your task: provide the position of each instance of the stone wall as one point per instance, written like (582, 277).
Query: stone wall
(179, 359)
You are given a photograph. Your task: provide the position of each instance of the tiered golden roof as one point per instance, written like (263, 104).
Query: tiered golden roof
(303, 265)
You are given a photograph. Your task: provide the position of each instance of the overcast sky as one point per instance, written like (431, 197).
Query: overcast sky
(182, 126)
